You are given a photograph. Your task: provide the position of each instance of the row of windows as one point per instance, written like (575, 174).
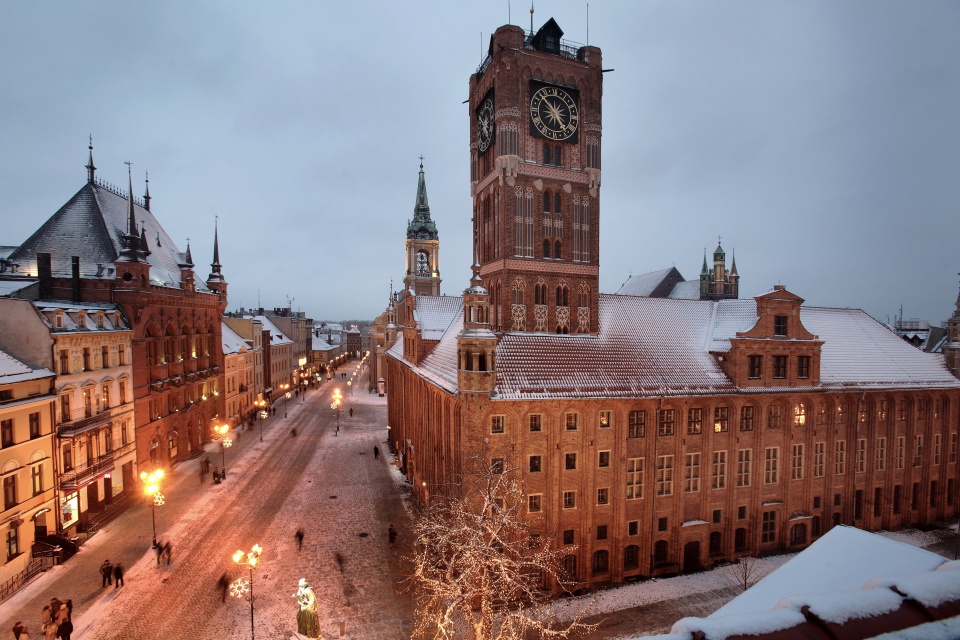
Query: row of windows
(664, 477)
(7, 433)
(10, 491)
(776, 418)
(91, 402)
(89, 363)
(780, 363)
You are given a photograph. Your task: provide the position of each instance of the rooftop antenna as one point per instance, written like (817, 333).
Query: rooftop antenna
(588, 24)
(531, 18)
(258, 299)
(508, 12)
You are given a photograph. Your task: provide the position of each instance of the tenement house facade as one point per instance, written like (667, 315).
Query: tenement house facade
(89, 347)
(652, 435)
(105, 246)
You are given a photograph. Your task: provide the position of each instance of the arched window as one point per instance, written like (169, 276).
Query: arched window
(546, 249)
(540, 293)
(815, 526)
(557, 202)
(601, 561)
(562, 296)
(556, 250)
(583, 296)
(518, 290)
(740, 540)
(631, 557)
(570, 567)
(716, 543)
(556, 156)
(661, 552)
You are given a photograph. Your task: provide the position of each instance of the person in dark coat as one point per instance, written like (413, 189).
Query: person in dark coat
(64, 623)
(160, 546)
(106, 572)
(376, 452)
(118, 575)
(20, 630)
(223, 583)
(392, 536)
(166, 551)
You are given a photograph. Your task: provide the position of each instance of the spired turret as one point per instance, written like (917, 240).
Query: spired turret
(476, 343)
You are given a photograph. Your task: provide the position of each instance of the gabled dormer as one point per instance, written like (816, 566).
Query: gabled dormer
(777, 351)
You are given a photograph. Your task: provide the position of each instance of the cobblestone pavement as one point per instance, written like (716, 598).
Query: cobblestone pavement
(330, 485)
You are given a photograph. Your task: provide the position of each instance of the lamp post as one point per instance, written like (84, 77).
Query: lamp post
(286, 396)
(261, 406)
(151, 487)
(337, 401)
(225, 443)
(241, 587)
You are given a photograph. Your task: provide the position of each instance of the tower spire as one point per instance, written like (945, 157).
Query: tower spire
(146, 193)
(216, 281)
(133, 244)
(91, 170)
(132, 222)
(216, 247)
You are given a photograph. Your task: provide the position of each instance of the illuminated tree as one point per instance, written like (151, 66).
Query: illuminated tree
(480, 569)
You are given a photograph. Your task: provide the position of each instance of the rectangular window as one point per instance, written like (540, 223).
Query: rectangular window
(861, 461)
(881, 462)
(717, 516)
(10, 492)
(918, 450)
(840, 414)
(771, 465)
(536, 421)
(755, 364)
(64, 362)
(568, 536)
(743, 467)
(121, 356)
(34, 425)
(746, 418)
(664, 475)
(105, 396)
(36, 479)
(877, 502)
(633, 528)
(665, 425)
(496, 465)
(796, 468)
(603, 496)
(606, 419)
(497, 424)
(901, 446)
(822, 413)
(122, 391)
(6, 433)
(637, 424)
(569, 499)
(603, 459)
(741, 513)
(803, 367)
(720, 419)
(780, 367)
(570, 461)
(774, 416)
(65, 408)
(768, 532)
(634, 478)
(691, 478)
(719, 474)
(534, 503)
(662, 524)
(602, 531)
(915, 496)
(535, 464)
(953, 447)
(779, 325)
(936, 448)
(840, 457)
(13, 543)
(799, 414)
(571, 421)
(897, 493)
(695, 421)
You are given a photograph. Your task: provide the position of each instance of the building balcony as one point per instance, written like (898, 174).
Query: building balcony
(159, 372)
(77, 427)
(85, 474)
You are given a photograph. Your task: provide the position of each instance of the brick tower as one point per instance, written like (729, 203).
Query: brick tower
(422, 274)
(535, 169)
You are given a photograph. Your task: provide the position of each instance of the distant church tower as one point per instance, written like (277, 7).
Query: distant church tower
(422, 273)
(951, 351)
(535, 180)
(718, 283)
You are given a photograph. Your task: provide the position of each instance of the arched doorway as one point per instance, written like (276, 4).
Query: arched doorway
(691, 557)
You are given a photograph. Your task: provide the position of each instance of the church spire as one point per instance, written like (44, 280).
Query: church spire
(733, 263)
(146, 194)
(422, 226)
(91, 170)
(216, 248)
(189, 258)
(216, 281)
(132, 243)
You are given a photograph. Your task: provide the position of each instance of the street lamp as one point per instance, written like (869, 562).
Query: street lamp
(151, 487)
(241, 586)
(261, 406)
(286, 396)
(225, 443)
(337, 401)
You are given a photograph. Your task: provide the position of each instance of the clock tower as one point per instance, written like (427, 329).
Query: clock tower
(535, 180)
(422, 274)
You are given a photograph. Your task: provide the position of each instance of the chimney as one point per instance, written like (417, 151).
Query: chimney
(44, 275)
(75, 278)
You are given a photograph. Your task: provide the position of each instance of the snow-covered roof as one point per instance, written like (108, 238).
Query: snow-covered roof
(843, 559)
(12, 370)
(10, 287)
(91, 225)
(319, 344)
(686, 290)
(660, 346)
(232, 343)
(644, 284)
(74, 320)
(276, 336)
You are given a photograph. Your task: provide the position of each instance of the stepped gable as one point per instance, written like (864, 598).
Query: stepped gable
(91, 225)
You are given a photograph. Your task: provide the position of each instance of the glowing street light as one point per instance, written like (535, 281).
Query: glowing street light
(286, 396)
(261, 406)
(151, 487)
(241, 586)
(225, 443)
(337, 401)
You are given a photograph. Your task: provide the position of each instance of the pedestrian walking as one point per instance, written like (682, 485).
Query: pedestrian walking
(392, 536)
(201, 472)
(160, 546)
(20, 632)
(70, 609)
(64, 624)
(299, 536)
(106, 572)
(117, 575)
(351, 412)
(376, 452)
(47, 624)
(166, 551)
(216, 475)
(223, 583)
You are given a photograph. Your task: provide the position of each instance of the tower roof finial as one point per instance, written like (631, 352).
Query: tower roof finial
(132, 222)
(216, 245)
(90, 168)
(146, 193)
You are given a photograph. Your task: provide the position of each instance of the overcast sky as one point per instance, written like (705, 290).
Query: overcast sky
(821, 140)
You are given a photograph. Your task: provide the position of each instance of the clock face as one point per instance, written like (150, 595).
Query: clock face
(554, 113)
(485, 125)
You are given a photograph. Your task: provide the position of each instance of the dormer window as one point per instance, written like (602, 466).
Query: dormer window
(58, 320)
(780, 326)
(100, 319)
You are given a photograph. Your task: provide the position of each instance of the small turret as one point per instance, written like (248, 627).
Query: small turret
(216, 281)
(476, 343)
(91, 170)
(186, 270)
